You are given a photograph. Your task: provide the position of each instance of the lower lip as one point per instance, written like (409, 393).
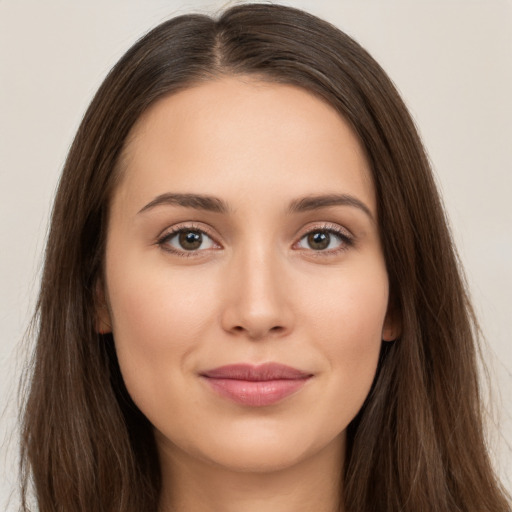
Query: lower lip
(256, 393)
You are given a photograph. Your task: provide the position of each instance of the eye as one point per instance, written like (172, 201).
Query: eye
(187, 240)
(326, 240)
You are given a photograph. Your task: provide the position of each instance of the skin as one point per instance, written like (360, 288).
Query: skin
(255, 291)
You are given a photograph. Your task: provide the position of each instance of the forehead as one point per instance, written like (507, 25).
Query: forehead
(238, 136)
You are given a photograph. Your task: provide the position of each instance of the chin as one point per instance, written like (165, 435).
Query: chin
(256, 458)
(264, 451)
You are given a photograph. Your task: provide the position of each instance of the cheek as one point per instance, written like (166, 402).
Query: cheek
(158, 318)
(350, 308)
(358, 320)
(347, 322)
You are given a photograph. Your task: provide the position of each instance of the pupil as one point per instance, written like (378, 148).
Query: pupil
(319, 240)
(190, 240)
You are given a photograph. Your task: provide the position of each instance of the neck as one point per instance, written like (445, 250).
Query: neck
(192, 485)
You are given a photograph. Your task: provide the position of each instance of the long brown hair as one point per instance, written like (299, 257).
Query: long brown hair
(417, 444)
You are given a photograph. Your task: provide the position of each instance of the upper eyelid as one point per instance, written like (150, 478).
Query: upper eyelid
(173, 230)
(326, 226)
(204, 228)
(207, 230)
(346, 240)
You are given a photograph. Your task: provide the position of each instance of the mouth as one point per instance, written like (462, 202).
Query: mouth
(256, 386)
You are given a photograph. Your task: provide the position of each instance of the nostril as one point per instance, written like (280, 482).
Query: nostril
(256, 333)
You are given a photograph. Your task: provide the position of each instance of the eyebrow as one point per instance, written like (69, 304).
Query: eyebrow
(317, 202)
(214, 204)
(196, 201)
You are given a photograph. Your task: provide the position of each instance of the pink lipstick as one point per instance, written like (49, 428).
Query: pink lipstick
(256, 386)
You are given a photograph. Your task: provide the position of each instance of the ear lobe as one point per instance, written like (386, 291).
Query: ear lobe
(103, 322)
(392, 328)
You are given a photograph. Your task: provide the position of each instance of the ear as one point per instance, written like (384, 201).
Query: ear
(392, 327)
(103, 321)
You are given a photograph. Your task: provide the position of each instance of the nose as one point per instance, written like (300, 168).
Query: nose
(258, 301)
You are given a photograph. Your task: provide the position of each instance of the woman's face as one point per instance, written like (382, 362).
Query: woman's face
(244, 232)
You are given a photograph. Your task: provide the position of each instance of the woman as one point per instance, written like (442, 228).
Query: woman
(250, 299)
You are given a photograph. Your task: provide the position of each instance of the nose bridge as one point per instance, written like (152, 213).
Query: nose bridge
(258, 302)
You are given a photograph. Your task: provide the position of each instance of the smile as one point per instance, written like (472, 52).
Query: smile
(256, 386)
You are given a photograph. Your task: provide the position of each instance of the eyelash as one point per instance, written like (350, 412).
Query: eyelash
(169, 235)
(346, 240)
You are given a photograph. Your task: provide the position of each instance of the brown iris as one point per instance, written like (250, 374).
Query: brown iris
(190, 240)
(319, 240)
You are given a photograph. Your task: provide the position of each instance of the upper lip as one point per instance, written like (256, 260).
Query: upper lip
(250, 372)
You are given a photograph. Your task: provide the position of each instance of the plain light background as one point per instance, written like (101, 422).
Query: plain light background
(451, 60)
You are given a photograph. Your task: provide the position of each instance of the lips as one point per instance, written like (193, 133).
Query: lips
(256, 386)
